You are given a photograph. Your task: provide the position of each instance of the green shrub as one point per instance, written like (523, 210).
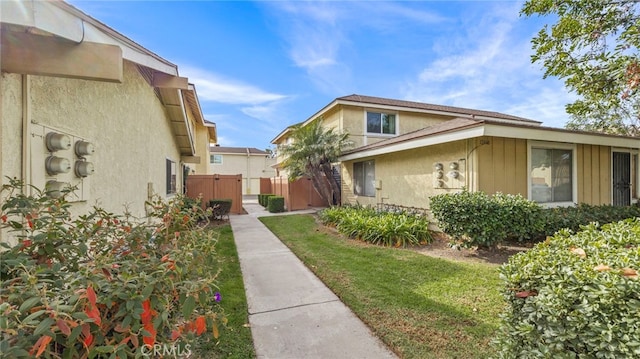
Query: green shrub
(574, 296)
(477, 219)
(102, 285)
(263, 199)
(389, 229)
(276, 204)
(572, 218)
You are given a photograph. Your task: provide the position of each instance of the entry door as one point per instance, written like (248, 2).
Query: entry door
(621, 179)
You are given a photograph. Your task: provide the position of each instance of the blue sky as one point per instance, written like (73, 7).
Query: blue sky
(261, 66)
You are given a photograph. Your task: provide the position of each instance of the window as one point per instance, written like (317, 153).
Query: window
(171, 177)
(215, 159)
(551, 175)
(381, 123)
(364, 175)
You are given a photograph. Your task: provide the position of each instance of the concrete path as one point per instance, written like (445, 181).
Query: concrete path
(293, 315)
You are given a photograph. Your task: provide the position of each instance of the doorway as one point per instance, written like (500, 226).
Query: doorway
(621, 178)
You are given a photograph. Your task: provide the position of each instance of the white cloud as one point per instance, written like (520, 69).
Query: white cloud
(217, 88)
(318, 34)
(490, 69)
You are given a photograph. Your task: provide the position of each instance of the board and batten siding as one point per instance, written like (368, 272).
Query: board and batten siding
(502, 165)
(594, 174)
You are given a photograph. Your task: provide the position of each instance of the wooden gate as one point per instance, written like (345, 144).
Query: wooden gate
(298, 194)
(217, 187)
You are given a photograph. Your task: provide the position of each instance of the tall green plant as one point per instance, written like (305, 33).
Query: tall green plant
(311, 153)
(100, 284)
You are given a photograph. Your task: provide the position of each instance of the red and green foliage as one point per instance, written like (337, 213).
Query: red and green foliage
(100, 284)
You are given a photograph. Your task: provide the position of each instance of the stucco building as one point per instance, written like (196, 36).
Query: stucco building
(406, 152)
(250, 162)
(85, 106)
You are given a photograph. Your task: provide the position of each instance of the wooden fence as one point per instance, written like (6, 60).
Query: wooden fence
(217, 187)
(298, 194)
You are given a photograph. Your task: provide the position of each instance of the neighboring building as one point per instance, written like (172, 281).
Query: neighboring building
(252, 163)
(84, 105)
(407, 152)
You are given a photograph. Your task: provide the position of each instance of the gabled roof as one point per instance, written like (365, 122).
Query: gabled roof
(463, 128)
(53, 38)
(238, 150)
(410, 106)
(434, 108)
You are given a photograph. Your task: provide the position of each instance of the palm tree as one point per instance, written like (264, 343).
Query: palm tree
(311, 153)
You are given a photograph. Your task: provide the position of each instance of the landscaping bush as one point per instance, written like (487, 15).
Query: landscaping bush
(276, 204)
(477, 219)
(389, 229)
(574, 296)
(572, 218)
(103, 285)
(263, 199)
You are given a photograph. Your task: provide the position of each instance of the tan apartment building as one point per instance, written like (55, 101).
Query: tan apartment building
(405, 152)
(250, 162)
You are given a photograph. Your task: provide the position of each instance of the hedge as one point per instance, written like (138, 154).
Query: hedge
(263, 199)
(478, 219)
(276, 204)
(574, 296)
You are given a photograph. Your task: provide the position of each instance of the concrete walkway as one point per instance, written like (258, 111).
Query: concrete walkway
(293, 315)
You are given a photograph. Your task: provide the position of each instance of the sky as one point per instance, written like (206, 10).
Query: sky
(261, 66)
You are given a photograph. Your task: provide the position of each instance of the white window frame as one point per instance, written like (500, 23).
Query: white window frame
(376, 134)
(574, 170)
(635, 182)
(364, 179)
(212, 159)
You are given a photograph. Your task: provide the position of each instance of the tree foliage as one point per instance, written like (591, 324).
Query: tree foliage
(311, 153)
(593, 46)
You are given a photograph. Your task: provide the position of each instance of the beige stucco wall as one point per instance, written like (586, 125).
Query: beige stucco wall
(126, 122)
(202, 150)
(353, 122)
(407, 178)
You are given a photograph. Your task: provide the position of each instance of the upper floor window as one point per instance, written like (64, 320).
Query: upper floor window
(552, 175)
(381, 123)
(215, 159)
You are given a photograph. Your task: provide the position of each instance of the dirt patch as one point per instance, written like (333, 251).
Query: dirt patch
(440, 248)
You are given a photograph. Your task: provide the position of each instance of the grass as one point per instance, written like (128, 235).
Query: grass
(421, 307)
(235, 339)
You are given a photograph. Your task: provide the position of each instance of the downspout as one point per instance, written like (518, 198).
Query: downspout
(26, 130)
(248, 186)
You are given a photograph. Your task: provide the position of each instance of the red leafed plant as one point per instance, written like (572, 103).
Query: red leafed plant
(100, 284)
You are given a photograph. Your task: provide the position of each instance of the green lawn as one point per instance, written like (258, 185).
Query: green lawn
(235, 339)
(421, 307)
